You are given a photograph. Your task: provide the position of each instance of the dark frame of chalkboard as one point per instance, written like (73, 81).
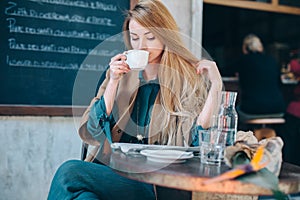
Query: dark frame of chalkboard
(45, 110)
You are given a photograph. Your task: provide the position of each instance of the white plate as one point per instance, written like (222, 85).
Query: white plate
(167, 156)
(126, 147)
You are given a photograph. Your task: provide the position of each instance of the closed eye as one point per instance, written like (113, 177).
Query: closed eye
(134, 36)
(151, 38)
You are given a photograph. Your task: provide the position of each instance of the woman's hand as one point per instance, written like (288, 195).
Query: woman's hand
(118, 66)
(210, 69)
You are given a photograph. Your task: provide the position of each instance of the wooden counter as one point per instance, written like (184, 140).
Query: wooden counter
(232, 84)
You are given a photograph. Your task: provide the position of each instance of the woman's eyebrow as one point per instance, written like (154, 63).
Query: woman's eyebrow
(147, 33)
(131, 33)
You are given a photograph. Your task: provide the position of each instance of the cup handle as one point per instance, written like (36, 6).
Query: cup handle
(125, 54)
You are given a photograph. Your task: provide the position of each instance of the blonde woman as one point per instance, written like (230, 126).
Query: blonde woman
(163, 104)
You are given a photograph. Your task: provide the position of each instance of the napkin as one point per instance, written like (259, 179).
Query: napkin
(254, 162)
(247, 143)
(246, 149)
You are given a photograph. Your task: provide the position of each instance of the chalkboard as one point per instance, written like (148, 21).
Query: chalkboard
(45, 43)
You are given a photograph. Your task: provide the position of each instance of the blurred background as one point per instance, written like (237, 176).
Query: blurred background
(224, 28)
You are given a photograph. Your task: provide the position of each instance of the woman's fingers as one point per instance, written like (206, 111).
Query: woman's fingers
(210, 68)
(206, 65)
(118, 66)
(118, 57)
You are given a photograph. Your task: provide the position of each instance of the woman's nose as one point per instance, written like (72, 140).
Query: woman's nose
(142, 44)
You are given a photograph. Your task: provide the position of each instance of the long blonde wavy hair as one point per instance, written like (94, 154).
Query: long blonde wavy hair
(183, 92)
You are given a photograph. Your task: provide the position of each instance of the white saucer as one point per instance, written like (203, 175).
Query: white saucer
(167, 156)
(126, 147)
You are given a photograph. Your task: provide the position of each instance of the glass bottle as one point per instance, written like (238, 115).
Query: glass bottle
(227, 118)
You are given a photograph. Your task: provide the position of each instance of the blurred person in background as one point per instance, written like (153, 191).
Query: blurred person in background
(292, 133)
(259, 82)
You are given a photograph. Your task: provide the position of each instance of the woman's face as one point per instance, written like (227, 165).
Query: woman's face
(141, 38)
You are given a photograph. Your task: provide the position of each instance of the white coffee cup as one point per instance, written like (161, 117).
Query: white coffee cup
(137, 59)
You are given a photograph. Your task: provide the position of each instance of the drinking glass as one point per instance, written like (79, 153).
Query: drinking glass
(212, 144)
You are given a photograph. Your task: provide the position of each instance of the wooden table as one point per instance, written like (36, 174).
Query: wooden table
(189, 176)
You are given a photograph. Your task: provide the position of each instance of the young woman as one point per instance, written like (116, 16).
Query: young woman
(163, 104)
